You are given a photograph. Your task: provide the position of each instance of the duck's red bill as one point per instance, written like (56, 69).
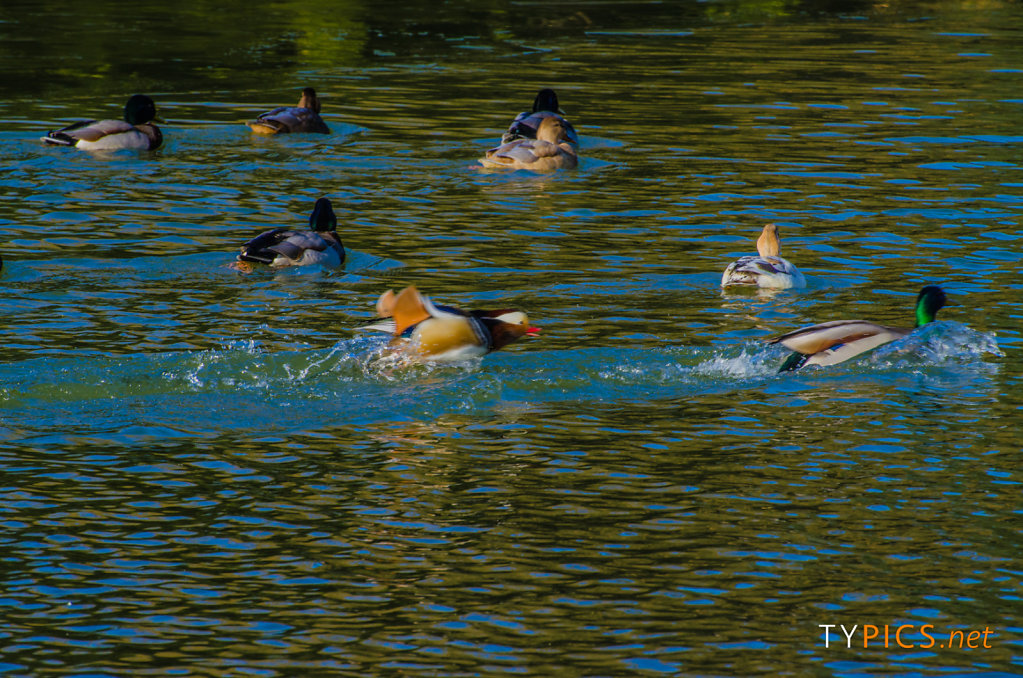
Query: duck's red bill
(532, 331)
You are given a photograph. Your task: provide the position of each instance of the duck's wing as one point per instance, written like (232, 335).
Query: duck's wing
(408, 310)
(414, 309)
(527, 123)
(763, 271)
(289, 119)
(850, 349)
(293, 244)
(402, 313)
(308, 120)
(496, 157)
(542, 149)
(259, 248)
(830, 335)
(782, 273)
(87, 130)
(273, 122)
(525, 151)
(266, 246)
(742, 271)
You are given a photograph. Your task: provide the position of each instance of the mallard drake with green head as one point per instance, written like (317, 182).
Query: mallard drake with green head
(293, 119)
(136, 131)
(282, 247)
(839, 340)
(768, 269)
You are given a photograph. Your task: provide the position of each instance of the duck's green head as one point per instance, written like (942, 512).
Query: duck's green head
(928, 302)
(323, 217)
(546, 100)
(139, 110)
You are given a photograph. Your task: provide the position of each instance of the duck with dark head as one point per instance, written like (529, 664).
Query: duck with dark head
(305, 117)
(282, 247)
(526, 124)
(433, 332)
(834, 342)
(136, 131)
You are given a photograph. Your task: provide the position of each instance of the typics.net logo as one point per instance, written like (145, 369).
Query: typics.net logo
(906, 636)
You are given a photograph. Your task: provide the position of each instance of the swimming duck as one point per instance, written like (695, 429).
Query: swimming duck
(135, 131)
(444, 333)
(282, 247)
(836, 341)
(768, 269)
(549, 151)
(302, 118)
(525, 124)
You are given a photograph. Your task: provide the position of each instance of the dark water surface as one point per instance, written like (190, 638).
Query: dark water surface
(209, 473)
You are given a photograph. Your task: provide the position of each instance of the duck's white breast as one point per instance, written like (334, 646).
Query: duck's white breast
(112, 142)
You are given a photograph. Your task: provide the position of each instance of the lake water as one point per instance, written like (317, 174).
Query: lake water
(209, 473)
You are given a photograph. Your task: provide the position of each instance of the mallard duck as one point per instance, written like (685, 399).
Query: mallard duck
(444, 333)
(526, 123)
(768, 269)
(291, 119)
(837, 341)
(282, 247)
(135, 131)
(549, 151)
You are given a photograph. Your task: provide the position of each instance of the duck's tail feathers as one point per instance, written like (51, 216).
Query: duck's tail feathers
(793, 362)
(58, 139)
(256, 258)
(267, 126)
(378, 325)
(490, 161)
(258, 250)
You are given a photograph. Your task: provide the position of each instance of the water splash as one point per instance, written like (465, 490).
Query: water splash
(244, 384)
(945, 341)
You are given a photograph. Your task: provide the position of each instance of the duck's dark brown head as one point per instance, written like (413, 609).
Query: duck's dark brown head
(309, 100)
(506, 325)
